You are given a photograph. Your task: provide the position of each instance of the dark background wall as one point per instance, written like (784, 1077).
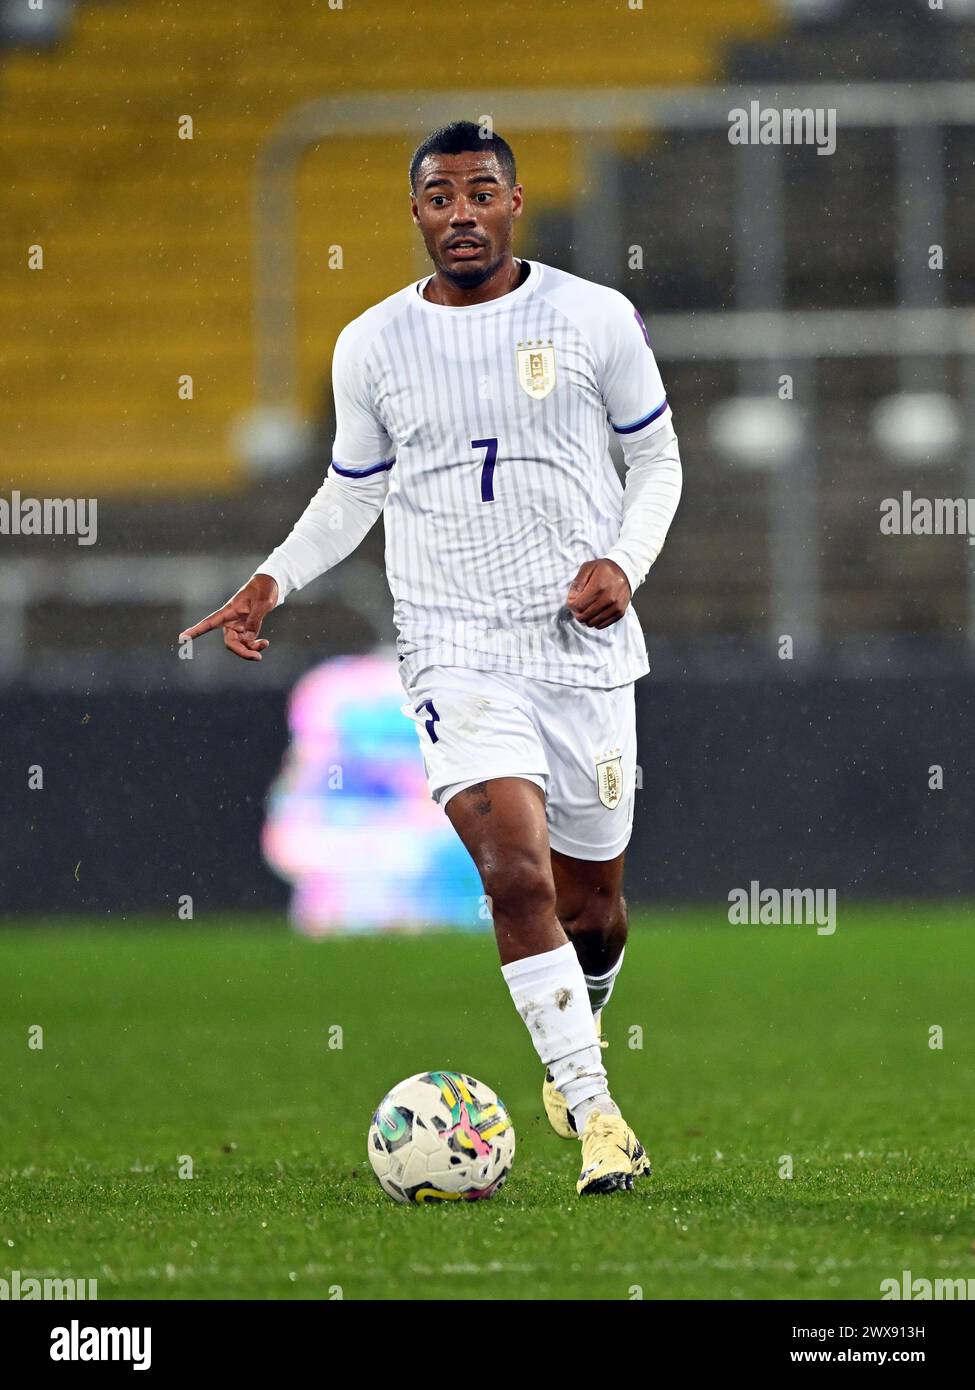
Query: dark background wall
(792, 780)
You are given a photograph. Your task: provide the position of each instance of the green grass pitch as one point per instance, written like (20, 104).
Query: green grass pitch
(212, 1040)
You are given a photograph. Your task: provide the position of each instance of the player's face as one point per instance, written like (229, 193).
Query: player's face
(465, 209)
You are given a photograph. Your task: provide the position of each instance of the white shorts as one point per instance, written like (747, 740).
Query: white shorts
(577, 744)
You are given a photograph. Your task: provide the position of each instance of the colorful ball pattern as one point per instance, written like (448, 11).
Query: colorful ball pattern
(441, 1136)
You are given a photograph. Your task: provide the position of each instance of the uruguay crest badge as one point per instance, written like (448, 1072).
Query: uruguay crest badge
(609, 781)
(536, 368)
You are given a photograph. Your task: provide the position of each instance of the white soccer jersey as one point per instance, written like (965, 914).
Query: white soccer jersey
(488, 424)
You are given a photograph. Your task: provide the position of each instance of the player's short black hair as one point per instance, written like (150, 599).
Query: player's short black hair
(457, 138)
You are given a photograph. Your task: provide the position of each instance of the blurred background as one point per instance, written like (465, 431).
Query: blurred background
(195, 199)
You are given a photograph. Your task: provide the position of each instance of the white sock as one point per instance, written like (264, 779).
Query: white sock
(600, 987)
(549, 991)
(604, 1104)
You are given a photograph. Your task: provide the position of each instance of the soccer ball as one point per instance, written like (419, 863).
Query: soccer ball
(440, 1136)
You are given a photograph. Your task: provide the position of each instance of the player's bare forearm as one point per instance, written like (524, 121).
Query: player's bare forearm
(241, 618)
(599, 594)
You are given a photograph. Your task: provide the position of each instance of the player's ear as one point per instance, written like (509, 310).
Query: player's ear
(517, 200)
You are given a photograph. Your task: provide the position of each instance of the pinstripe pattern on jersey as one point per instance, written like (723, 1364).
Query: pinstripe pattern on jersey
(483, 583)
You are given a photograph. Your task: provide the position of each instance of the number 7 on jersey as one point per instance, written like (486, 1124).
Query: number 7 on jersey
(487, 468)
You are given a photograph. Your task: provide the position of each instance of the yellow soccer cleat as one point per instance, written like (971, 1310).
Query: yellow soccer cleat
(612, 1156)
(559, 1114)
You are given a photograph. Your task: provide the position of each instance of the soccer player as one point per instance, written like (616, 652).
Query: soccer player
(471, 410)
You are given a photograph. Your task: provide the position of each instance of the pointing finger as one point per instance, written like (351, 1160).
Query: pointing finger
(208, 623)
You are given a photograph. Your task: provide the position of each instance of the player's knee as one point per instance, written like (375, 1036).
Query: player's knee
(596, 917)
(519, 886)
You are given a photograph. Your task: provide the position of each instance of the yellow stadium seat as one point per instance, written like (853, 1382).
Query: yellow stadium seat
(147, 238)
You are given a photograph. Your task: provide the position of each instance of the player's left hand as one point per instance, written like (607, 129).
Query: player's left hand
(599, 594)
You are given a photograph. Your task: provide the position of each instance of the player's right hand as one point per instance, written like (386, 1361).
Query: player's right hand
(241, 618)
